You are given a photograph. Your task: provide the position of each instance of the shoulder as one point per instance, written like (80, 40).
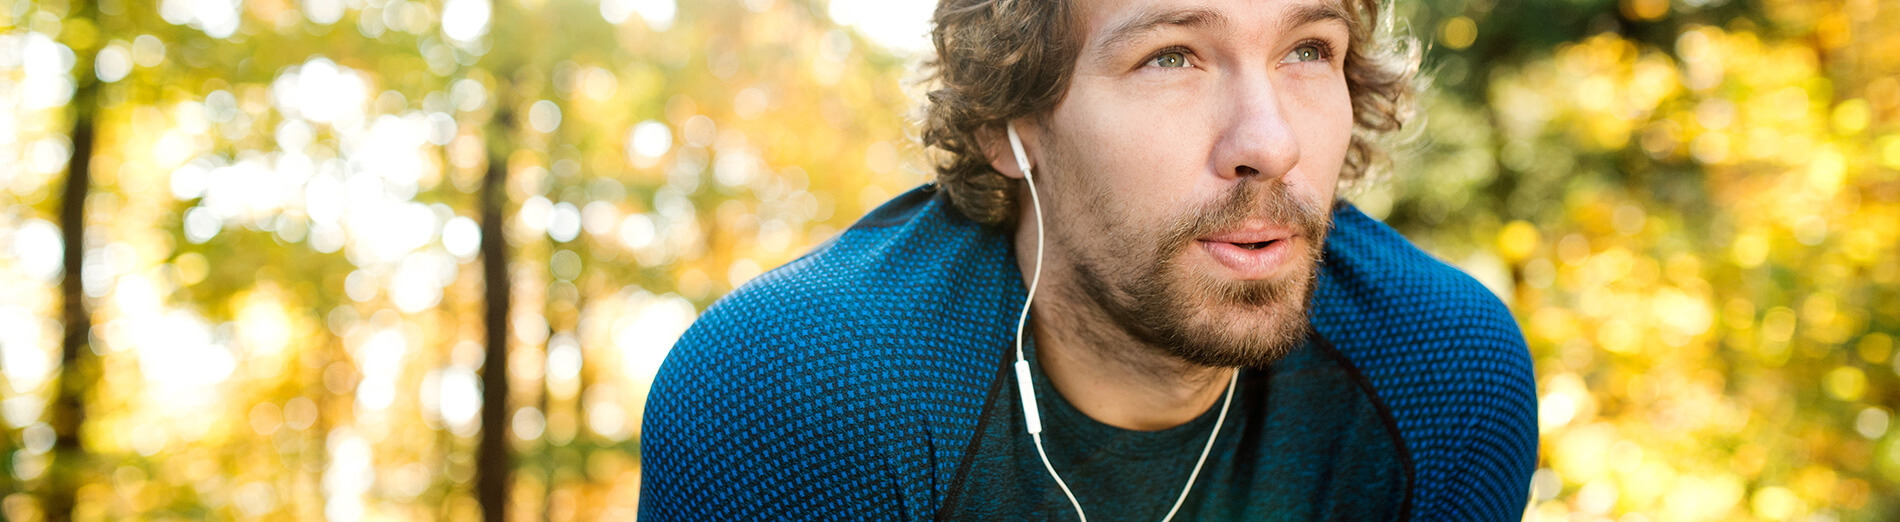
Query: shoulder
(1373, 272)
(1445, 355)
(1400, 309)
(841, 382)
(910, 284)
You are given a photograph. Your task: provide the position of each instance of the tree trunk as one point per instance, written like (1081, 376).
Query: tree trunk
(493, 463)
(77, 369)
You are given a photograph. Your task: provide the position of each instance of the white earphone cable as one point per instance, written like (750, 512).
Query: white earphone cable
(1205, 449)
(1027, 391)
(1022, 163)
(1022, 365)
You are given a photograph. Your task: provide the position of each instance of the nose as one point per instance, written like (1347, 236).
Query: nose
(1256, 138)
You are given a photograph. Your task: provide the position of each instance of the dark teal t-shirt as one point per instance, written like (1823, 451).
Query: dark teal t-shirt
(1303, 440)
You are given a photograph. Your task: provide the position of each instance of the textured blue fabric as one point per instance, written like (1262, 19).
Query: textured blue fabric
(849, 383)
(1448, 360)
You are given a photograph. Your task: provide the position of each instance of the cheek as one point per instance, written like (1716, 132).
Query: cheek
(1120, 149)
(1325, 137)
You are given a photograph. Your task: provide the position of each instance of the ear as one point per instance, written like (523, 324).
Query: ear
(995, 142)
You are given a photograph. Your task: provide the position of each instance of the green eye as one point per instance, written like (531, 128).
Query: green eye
(1305, 53)
(1170, 59)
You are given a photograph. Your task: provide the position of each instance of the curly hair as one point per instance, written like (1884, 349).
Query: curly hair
(999, 60)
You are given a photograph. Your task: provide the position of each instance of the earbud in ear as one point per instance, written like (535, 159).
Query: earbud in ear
(1016, 146)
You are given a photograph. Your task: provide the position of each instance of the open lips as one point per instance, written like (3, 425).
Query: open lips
(1257, 252)
(1251, 238)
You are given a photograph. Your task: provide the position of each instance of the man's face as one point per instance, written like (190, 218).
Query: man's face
(1188, 172)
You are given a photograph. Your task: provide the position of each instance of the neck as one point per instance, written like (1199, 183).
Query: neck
(1103, 371)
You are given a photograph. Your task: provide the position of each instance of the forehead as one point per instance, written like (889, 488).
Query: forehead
(1105, 23)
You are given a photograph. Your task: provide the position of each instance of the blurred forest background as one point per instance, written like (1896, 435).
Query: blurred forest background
(393, 259)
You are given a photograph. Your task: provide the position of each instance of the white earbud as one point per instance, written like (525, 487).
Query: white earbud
(1028, 392)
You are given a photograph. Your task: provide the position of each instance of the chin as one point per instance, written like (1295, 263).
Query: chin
(1208, 318)
(1248, 324)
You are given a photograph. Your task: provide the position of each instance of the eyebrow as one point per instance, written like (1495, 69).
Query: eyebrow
(1301, 15)
(1133, 29)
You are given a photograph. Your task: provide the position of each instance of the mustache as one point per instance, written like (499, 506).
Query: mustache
(1269, 199)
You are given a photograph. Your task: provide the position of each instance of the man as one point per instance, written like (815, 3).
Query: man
(1212, 335)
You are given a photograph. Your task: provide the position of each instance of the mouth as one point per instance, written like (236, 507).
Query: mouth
(1254, 235)
(1257, 252)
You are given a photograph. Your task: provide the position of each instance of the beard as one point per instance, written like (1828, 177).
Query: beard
(1141, 284)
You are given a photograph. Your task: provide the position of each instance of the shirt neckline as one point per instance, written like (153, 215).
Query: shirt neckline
(1063, 420)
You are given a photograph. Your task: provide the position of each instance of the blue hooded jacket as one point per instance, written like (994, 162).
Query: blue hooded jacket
(850, 383)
